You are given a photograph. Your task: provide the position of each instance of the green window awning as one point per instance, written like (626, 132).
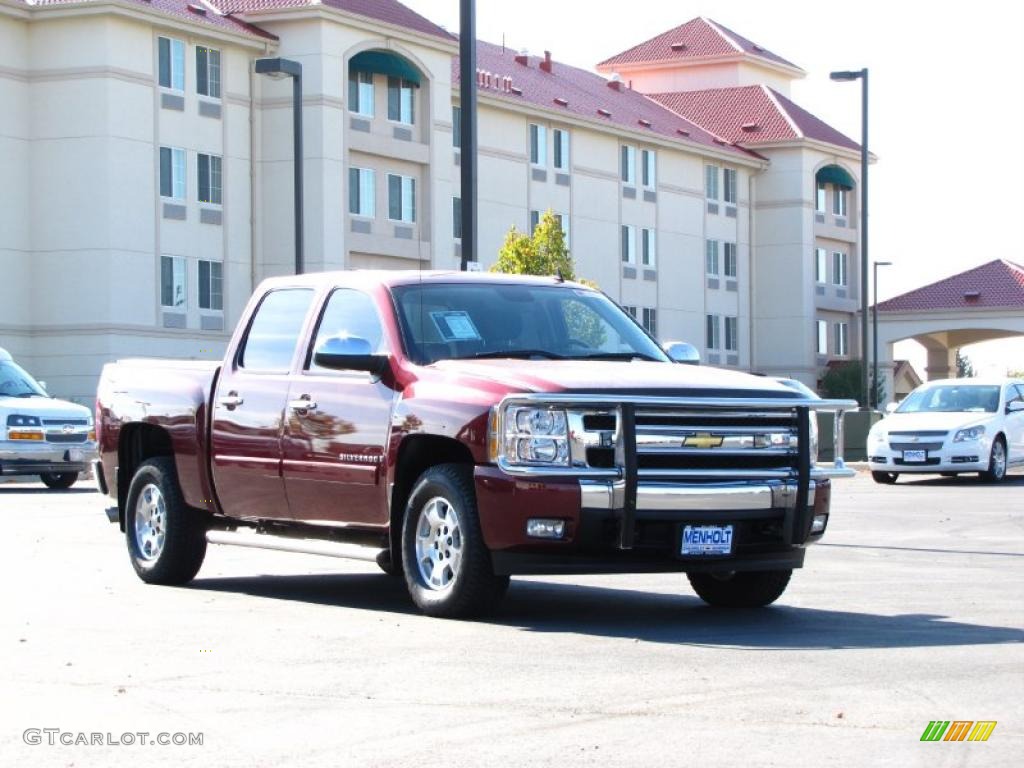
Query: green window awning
(385, 63)
(833, 174)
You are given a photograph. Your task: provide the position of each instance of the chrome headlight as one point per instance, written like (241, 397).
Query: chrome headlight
(971, 433)
(530, 436)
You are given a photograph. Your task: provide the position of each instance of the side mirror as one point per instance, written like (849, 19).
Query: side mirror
(682, 352)
(349, 353)
(1015, 407)
(891, 407)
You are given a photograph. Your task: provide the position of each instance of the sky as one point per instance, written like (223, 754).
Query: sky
(945, 95)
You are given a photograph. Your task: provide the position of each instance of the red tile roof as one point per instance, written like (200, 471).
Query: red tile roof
(388, 11)
(997, 284)
(585, 94)
(751, 115)
(698, 38)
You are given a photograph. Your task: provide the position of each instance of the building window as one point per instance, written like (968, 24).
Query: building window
(561, 150)
(628, 164)
(839, 268)
(819, 197)
(563, 222)
(211, 285)
(362, 187)
(534, 221)
(649, 248)
(401, 101)
(713, 337)
(172, 63)
(711, 182)
(207, 72)
(822, 337)
(172, 173)
(730, 260)
(401, 198)
(457, 127)
(360, 93)
(457, 218)
(711, 257)
(821, 265)
(209, 179)
(650, 321)
(842, 339)
(172, 282)
(628, 244)
(538, 144)
(732, 334)
(839, 201)
(631, 310)
(729, 185)
(649, 162)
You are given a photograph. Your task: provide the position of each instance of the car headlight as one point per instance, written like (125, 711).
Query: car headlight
(813, 434)
(20, 420)
(531, 436)
(971, 433)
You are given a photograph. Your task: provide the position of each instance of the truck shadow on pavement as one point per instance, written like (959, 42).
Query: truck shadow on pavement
(960, 480)
(20, 490)
(681, 619)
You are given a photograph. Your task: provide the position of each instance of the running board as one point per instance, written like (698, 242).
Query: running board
(341, 549)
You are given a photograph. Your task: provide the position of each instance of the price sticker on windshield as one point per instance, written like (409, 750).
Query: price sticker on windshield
(455, 326)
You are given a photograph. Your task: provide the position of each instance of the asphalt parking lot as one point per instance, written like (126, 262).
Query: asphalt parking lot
(912, 611)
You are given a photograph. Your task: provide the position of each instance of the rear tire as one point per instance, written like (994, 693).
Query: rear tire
(59, 481)
(166, 538)
(885, 478)
(996, 463)
(753, 589)
(446, 563)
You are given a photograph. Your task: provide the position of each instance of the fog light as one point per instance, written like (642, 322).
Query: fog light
(818, 524)
(543, 528)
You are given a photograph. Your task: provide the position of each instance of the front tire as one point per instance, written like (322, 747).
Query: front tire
(885, 478)
(59, 481)
(753, 589)
(447, 565)
(166, 538)
(996, 463)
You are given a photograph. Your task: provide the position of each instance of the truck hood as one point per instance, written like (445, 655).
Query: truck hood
(46, 407)
(599, 376)
(921, 422)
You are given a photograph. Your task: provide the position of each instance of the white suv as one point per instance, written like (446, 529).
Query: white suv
(952, 426)
(40, 435)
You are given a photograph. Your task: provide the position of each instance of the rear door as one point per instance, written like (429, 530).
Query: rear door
(337, 425)
(248, 408)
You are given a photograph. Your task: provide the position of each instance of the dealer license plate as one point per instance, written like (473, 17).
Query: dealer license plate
(707, 540)
(915, 457)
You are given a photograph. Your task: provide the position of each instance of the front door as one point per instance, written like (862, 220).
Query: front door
(248, 409)
(337, 425)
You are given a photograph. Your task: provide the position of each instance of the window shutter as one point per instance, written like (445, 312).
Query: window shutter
(166, 187)
(394, 99)
(353, 191)
(204, 285)
(395, 197)
(164, 47)
(204, 179)
(202, 75)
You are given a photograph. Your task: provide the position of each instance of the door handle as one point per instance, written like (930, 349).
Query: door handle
(304, 403)
(231, 400)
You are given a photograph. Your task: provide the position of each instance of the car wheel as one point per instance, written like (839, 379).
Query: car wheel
(166, 538)
(996, 463)
(753, 589)
(886, 478)
(59, 481)
(446, 563)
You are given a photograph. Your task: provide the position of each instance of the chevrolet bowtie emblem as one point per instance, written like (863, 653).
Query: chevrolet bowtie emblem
(703, 440)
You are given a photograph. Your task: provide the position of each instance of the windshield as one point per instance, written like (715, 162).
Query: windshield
(952, 398)
(15, 382)
(461, 321)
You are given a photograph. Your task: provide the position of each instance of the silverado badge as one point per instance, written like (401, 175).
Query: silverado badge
(703, 440)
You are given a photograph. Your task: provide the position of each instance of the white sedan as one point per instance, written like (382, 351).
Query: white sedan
(952, 426)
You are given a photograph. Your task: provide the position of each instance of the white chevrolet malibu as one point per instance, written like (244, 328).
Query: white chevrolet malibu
(40, 435)
(952, 426)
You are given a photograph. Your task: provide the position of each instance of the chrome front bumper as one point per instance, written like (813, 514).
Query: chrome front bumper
(672, 497)
(28, 458)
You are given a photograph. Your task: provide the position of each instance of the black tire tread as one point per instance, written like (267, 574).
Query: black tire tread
(59, 481)
(885, 478)
(753, 589)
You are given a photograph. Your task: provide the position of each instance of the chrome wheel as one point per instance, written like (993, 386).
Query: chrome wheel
(438, 544)
(998, 460)
(150, 523)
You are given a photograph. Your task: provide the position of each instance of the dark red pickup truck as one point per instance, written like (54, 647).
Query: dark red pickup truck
(458, 428)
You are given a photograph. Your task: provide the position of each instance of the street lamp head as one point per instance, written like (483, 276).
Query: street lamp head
(278, 68)
(847, 75)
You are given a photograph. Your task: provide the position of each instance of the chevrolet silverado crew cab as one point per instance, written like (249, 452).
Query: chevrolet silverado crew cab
(459, 428)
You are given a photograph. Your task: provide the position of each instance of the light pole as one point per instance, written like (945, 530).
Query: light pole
(279, 68)
(862, 75)
(874, 331)
(467, 102)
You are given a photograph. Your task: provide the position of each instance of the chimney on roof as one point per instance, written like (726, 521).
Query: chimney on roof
(523, 58)
(546, 65)
(615, 81)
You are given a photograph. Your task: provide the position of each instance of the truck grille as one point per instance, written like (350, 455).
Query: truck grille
(60, 437)
(62, 422)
